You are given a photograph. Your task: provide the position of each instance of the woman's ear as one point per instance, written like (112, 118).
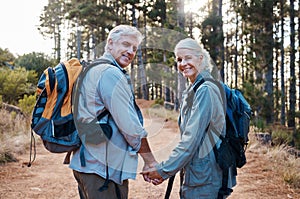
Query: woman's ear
(200, 67)
(201, 57)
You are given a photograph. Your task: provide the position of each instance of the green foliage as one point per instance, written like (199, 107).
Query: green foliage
(96, 18)
(26, 104)
(212, 36)
(158, 12)
(35, 61)
(258, 99)
(259, 123)
(3, 77)
(14, 84)
(6, 57)
(159, 101)
(32, 77)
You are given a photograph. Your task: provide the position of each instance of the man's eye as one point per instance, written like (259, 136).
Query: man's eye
(126, 44)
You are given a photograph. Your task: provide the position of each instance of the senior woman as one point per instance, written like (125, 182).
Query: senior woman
(200, 108)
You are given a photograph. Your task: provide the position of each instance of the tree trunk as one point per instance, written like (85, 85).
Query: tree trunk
(282, 115)
(292, 91)
(276, 113)
(181, 80)
(236, 51)
(269, 43)
(298, 50)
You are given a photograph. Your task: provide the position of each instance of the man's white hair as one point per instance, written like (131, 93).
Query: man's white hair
(117, 32)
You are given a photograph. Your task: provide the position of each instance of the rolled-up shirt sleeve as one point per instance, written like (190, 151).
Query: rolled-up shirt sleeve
(118, 98)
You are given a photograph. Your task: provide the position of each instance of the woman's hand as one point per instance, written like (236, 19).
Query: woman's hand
(151, 175)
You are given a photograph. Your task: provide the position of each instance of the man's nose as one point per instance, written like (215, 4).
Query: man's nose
(131, 50)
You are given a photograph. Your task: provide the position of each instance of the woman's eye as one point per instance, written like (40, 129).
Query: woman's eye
(179, 60)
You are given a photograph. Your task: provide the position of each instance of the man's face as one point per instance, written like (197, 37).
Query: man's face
(124, 49)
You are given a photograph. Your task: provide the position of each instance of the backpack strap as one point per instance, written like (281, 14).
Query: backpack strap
(51, 76)
(170, 185)
(32, 147)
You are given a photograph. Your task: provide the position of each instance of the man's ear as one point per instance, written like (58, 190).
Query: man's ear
(110, 43)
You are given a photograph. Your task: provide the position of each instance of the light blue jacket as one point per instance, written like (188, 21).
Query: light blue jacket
(194, 153)
(106, 86)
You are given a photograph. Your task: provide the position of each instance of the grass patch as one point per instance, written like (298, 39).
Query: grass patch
(7, 156)
(157, 110)
(281, 162)
(14, 135)
(281, 136)
(286, 165)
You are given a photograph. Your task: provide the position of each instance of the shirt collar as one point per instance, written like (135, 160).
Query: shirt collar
(112, 61)
(203, 75)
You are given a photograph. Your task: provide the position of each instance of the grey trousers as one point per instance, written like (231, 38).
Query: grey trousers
(89, 184)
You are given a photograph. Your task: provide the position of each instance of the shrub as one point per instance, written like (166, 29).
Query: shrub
(292, 178)
(26, 104)
(7, 156)
(281, 137)
(297, 139)
(159, 101)
(259, 123)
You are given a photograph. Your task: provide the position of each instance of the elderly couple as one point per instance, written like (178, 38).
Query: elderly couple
(109, 165)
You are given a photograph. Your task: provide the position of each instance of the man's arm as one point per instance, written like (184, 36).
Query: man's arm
(148, 158)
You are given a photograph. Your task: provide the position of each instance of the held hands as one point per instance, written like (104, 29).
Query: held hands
(151, 175)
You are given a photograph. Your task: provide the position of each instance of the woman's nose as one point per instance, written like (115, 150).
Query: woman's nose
(183, 62)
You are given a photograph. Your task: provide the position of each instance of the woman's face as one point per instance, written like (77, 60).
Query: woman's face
(188, 63)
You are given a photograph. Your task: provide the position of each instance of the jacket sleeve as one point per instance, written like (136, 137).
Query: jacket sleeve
(117, 96)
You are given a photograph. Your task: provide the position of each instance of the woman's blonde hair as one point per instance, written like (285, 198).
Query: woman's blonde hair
(198, 50)
(122, 30)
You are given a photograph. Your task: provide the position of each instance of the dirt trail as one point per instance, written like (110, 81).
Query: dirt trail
(48, 178)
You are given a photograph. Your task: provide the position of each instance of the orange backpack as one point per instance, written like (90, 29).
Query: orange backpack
(52, 117)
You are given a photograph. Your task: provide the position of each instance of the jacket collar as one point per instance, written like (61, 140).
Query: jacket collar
(109, 59)
(201, 77)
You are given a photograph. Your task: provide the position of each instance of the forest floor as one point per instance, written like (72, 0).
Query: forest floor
(48, 178)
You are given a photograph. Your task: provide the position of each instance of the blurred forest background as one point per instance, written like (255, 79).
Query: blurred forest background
(253, 43)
